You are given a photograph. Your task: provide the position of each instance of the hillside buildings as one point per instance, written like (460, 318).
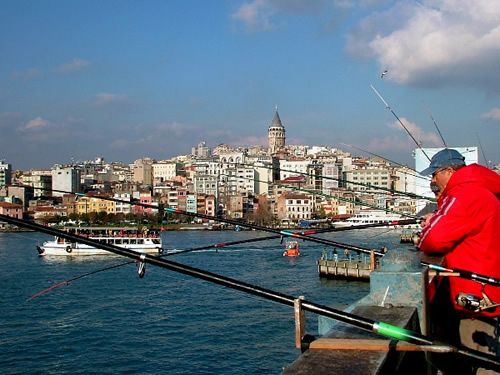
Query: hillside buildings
(278, 184)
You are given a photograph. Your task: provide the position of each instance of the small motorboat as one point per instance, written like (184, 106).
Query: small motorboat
(291, 249)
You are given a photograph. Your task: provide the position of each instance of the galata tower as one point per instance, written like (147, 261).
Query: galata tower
(276, 134)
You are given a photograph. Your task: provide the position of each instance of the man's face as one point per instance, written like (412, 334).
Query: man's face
(442, 176)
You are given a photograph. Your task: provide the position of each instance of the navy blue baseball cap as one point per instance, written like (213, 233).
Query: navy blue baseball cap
(444, 158)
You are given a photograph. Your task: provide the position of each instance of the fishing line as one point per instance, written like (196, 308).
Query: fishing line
(401, 122)
(374, 187)
(370, 325)
(437, 128)
(482, 151)
(382, 157)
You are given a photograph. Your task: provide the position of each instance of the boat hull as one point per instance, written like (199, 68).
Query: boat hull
(78, 249)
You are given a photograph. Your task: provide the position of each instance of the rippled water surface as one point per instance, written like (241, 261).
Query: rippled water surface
(165, 323)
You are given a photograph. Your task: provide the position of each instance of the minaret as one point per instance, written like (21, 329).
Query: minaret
(276, 134)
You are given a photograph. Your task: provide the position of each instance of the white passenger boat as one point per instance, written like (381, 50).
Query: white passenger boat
(372, 216)
(142, 241)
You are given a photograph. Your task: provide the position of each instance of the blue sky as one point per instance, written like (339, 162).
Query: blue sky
(131, 79)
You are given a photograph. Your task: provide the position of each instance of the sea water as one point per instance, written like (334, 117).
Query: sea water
(164, 323)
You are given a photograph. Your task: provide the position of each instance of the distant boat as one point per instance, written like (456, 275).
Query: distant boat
(371, 216)
(143, 241)
(291, 249)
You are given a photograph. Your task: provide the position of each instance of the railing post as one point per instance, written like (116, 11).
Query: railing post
(373, 261)
(300, 321)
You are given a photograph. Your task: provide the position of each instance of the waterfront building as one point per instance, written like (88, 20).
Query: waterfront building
(164, 171)
(239, 179)
(191, 203)
(330, 177)
(263, 166)
(294, 207)
(64, 180)
(86, 205)
(5, 173)
(146, 198)
(123, 207)
(234, 206)
(21, 193)
(40, 180)
(210, 205)
(201, 151)
(375, 176)
(143, 171)
(206, 184)
(43, 213)
(293, 167)
(12, 210)
(222, 148)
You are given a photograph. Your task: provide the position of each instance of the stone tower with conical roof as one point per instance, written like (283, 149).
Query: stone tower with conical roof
(276, 134)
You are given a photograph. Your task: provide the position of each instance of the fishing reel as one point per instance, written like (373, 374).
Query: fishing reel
(474, 303)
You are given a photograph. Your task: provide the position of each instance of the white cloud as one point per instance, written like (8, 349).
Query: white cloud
(427, 139)
(433, 42)
(255, 16)
(35, 124)
(76, 64)
(493, 114)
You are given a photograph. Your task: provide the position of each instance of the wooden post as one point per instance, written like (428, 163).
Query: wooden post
(373, 261)
(300, 321)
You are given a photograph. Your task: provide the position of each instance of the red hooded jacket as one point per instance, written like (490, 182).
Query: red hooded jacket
(466, 229)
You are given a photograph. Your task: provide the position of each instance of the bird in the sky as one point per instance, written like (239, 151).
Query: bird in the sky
(383, 74)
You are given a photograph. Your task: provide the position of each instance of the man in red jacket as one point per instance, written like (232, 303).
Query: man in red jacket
(466, 229)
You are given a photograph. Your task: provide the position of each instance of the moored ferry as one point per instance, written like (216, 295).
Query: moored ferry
(143, 241)
(371, 216)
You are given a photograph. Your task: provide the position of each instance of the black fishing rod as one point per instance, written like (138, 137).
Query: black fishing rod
(464, 274)
(366, 324)
(401, 122)
(213, 246)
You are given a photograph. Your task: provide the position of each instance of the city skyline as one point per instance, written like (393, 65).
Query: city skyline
(126, 80)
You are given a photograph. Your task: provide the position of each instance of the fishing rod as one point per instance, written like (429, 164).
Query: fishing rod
(464, 274)
(437, 128)
(401, 122)
(216, 246)
(370, 325)
(482, 151)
